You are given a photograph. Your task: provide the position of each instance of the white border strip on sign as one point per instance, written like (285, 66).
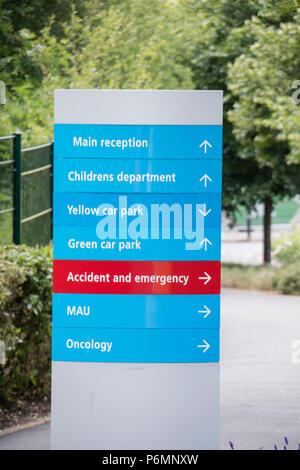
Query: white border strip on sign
(138, 107)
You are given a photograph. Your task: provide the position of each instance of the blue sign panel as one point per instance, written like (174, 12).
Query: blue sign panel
(136, 311)
(143, 345)
(93, 244)
(128, 141)
(134, 212)
(136, 193)
(137, 176)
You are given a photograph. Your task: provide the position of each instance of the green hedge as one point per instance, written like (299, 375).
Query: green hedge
(287, 279)
(284, 280)
(25, 321)
(25, 313)
(287, 247)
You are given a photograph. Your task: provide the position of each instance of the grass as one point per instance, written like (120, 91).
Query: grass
(241, 276)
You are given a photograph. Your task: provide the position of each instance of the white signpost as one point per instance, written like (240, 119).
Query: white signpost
(136, 303)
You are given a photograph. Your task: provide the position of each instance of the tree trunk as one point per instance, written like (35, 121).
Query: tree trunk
(248, 221)
(268, 206)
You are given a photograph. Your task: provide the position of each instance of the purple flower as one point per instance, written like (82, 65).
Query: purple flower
(275, 447)
(286, 440)
(231, 445)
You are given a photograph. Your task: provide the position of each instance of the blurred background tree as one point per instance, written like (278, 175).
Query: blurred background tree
(257, 159)
(265, 119)
(129, 44)
(21, 21)
(247, 48)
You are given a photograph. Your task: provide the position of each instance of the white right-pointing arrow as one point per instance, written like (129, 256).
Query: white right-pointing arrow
(205, 178)
(206, 310)
(205, 346)
(207, 278)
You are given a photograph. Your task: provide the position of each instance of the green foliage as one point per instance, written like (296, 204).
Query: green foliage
(220, 40)
(287, 247)
(20, 23)
(248, 48)
(255, 153)
(34, 15)
(240, 276)
(279, 9)
(265, 118)
(132, 44)
(25, 321)
(15, 64)
(287, 279)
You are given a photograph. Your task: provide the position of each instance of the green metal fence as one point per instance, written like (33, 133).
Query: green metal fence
(26, 187)
(7, 173)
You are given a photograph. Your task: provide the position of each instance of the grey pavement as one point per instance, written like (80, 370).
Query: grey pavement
(260, 376)
(34, 438)
(242, 252)
(260, 385)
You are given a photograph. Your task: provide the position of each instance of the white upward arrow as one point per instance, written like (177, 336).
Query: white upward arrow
(205, 346)
(205, 213)
(206, 311)
(207, 278)
(206, 144)
(205, 178)
(205, 241)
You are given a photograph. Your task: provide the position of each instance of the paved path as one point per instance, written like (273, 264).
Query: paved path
(260, 386)
(35, 438)
(242, 252)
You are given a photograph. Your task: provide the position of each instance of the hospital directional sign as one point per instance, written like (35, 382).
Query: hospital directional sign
(162, 211)
(143, 311)
(136, 277)
(86, 243)
(150, 345)
(125, 141)
(137, 227)
(151, 211)
(137, 175)
(136, 272)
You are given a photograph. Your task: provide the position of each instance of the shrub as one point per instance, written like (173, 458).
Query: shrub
(240, 276)
(25, 321)
(287, 279)
(287, 248)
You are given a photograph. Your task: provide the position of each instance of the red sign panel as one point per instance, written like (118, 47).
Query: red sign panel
(136, 277)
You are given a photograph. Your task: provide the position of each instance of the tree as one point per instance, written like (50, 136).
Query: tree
(21, 21)
(131, 44)
(15, 64)
(226, 34)
(265, 118)
(35, 15)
